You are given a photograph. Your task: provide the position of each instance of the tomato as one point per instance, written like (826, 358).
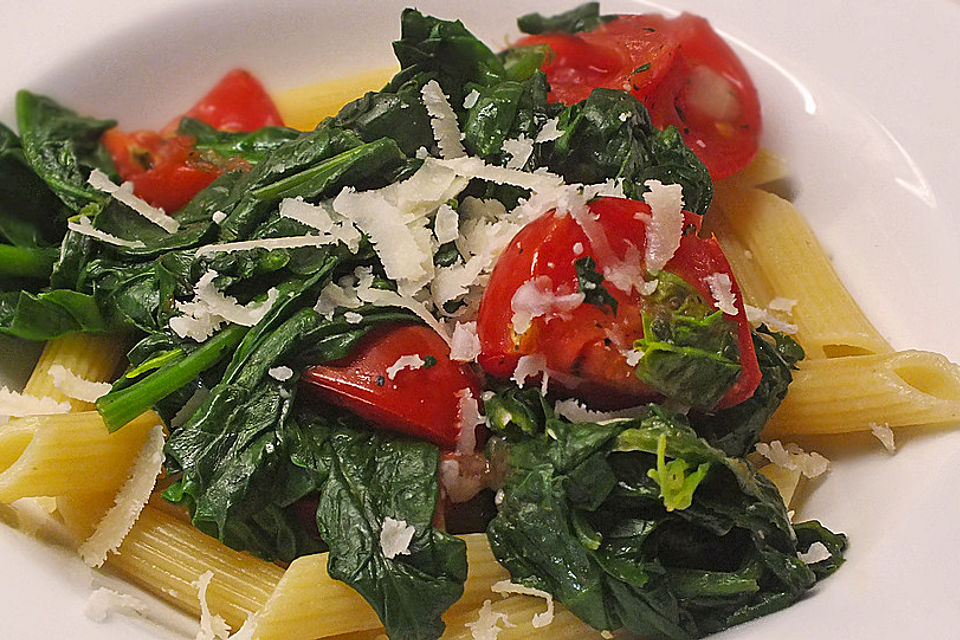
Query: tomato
(237, 103)
(682, 71)
(422, 402)
(165, 169)
(585, 347)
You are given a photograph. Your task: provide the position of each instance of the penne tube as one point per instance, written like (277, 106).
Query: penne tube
(308, 603)
(93, 358)
(67, 454)
(838, 395)
(774, 253)
(167, 556)
(518, 622)
(304, 107)
(765, 168)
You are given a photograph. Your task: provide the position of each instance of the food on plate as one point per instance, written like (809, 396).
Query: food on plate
(484, 352)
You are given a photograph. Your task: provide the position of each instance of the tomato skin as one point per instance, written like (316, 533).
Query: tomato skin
(683, 72)
(584, 349)
(164, 168)
(422, 403)
(238, 102)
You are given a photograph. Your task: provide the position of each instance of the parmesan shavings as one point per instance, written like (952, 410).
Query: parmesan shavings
(530, 366)
(471, 99)
(757, 316)
(128, 504)
(395, 538)
(443, 121)
(520, 149)
(17, 405)
(210, 308)
(665, 225)
(124, 193)
(322, 218)
(540, 619)
(218, 217)
(73, 386)
(535, 298)
(549, 131)
(352, 317)
(782, 304)
(105, 601)
(409, 361)
(884, 434)
(85, 228)
(574, 411)
(269, 244)
(212, 626)
(446, 224)
(465, 343)
(632, 356)
(721, 288)
(468, 418)
(281, 373)
(487, 625)
(817, 552)
(471, 167)
(792, 456)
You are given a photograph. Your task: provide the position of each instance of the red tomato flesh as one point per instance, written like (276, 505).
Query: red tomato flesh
(584, 348)
(683, 72)
(423, 403)
(164, 168)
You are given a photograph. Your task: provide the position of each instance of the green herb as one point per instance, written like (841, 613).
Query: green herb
(676, 485)
(590, 284)
(250, 146)
(429, 361)
(642, 68)
(586, 17)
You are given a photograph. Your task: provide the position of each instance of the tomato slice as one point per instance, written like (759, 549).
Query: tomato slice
(422, 402)
(164, 168)
(586, 348)
(237, 103)
(682, 71)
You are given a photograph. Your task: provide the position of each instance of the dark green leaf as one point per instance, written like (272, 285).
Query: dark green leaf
(252, 146)
(586, 17)
(590, 284)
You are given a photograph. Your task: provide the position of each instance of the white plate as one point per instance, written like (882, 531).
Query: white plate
(861, 99)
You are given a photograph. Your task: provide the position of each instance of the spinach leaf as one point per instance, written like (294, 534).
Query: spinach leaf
(586, 516)
(586, 17)
(26, 263)
(251, 146)
(50, 314)
(63, 148)
(590, 283)
(372, 476)
(736, 429)
(689, 349)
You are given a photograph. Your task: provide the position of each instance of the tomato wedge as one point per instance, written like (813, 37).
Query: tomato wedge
(683, 72)
(424, 402)
(587, 347)
(164, 168)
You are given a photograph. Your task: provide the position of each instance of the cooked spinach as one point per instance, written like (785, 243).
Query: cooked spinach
(590, 284)
(591, 515)
(586, 17)
(50, 314)
(252, 146)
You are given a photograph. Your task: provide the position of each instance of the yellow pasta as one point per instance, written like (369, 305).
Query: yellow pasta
(93, 358)
(304, 107)
(774, 253)
(765, 168)
(786, 480)
(850, 394)
(67, 454)
(167, 556)
(519, 611)
(309, 604)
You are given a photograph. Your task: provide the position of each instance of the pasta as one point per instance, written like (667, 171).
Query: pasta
(774, 255)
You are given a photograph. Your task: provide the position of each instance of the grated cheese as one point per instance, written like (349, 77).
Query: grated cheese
(884, 434)
(85, 228)
(395, 538)
(721, 288)
(443, 121)
(129, 502)
(352, 317)
(17, 405)
(412, 362)
(210, 308)
(784, 305)
(536, 298)
(468, 418)
(520, 149)
(124, 193)
(269, 244)
(540, 619)
(487, 625)
(471, 99)
(73, 386)
(476, 168)
(446, 224)
(529, 366)
(817, 552)
(212, 626)
(665, 225)
(757, 316)
(218, 217)
(104, 601)
(792, 456)
(465, 343)
(575, 411)
(549, 131)
(281, 373)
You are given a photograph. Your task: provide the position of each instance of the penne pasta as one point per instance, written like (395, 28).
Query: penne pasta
(765, 168)
(93, 358)
(516, 623)
(837, 395)
(45, 455)
(167, 556)
(304, 107)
